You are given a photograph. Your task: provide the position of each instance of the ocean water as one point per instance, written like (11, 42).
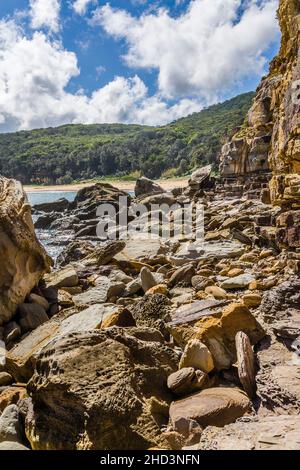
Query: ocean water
(40, 197)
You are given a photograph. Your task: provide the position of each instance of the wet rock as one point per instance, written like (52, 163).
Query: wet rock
(210, 407)
(105, 381)
(57, 206)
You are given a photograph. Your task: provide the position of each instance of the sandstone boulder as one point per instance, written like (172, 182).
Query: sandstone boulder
(145, 186)
(26, 260)
(211, 407)
(100, 390)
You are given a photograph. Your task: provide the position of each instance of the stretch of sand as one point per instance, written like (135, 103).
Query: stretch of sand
(123, 185)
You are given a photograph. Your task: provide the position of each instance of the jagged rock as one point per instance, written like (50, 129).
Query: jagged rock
(76, 250)
(26, 260)
(238, 282)
(101, 397)
(57, 206)
(151, 311)
(280, 308)
(186, 381)
(245, 363)
(267, 433)
(182, 276)
(199, 178)
(11, 395)
(211, 407)
(145, 186)
(45, 220)
(216, 326)
(197, 355)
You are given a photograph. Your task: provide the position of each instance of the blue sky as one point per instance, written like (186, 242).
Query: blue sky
(70, 61)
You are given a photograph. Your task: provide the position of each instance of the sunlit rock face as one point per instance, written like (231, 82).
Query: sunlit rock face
(23, 261)
(270, 138)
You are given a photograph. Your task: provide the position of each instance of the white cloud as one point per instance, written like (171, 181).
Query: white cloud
(205, 51)
(45, 13)
(34, 75)
(80, 6)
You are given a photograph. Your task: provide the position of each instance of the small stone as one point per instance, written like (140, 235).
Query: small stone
(239, 282)
(246, 363)
(5, 379)
(31, 316)
(147, 279)
(216, 291)
(182, 276)
(197, 355)
(38, 299)
(159, 289)
(252, 300)
(200, 282)
(235, 272)
(186, 381)
(12, 332)
(65, 299)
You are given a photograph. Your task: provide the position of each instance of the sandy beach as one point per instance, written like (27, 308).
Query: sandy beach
(123, 185)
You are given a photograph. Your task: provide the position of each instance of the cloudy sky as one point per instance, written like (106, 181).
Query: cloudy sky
(148, 62)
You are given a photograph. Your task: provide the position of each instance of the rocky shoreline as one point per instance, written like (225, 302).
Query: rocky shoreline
(167, 342)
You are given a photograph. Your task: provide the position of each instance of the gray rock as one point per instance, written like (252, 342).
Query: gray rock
(238, 282)
(145, 186)
(38, 299)
(147, 279)
(31, 316)
(8, 445)
(10, 427)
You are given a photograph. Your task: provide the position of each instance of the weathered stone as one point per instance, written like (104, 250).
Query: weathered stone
(197, 355)
(245, 363)
(252, 433)
(186, 381)
(11, 395)
(211, 407)
(58, 206)
(26, 260)
(100, 399)
(158, 289)
(252, 300)
(216, 291)
(8, 445)
(182, 276)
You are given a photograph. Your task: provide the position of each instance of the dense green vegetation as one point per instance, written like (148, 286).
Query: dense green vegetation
(73, 152)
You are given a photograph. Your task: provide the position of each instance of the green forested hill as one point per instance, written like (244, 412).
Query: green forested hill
(72, 152)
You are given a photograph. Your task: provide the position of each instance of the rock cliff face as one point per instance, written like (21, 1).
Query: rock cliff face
(271, 136)
(24, 261)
